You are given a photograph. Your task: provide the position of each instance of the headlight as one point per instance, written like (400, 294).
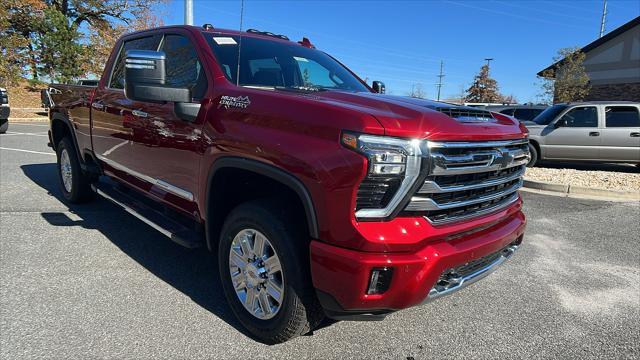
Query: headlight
(393, 168)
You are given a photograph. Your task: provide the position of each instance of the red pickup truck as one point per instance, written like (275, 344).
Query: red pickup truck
(320, 195)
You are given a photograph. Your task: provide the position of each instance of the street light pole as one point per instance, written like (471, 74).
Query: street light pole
(188, 12)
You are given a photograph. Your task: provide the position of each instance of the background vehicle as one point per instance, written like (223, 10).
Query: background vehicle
(520, 112)
(5, 111)
(319, 195)
(588, 131)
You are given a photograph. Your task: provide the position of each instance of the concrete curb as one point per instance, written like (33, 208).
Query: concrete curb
(580, 190)
(29, 119)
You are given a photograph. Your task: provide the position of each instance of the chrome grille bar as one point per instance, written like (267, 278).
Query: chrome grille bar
(426, 204)
(431, 186)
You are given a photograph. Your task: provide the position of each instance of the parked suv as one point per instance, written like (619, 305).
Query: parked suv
(5, 111)
(320, 196)
(587, 131)
(520, 112)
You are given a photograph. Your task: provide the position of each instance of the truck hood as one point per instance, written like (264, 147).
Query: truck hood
(425, 119)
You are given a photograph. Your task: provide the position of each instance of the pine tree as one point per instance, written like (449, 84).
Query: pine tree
(484, 89)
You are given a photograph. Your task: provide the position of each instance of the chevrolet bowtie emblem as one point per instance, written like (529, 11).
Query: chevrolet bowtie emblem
(504, 159)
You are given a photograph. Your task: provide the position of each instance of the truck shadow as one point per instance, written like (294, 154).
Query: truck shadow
(192, 272)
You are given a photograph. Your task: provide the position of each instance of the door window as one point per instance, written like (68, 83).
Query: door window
(524, 114)
(508, 112)
(144, 43)
(182, 65)
(581, 117)
(622, 116)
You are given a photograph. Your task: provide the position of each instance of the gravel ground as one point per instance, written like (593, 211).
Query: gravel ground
(606, 176)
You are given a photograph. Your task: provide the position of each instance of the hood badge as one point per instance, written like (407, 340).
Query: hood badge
(238, 102)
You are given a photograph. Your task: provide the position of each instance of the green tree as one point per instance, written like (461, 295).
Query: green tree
(43, 37)
(567, 80)
(61, 53)
(484, 89)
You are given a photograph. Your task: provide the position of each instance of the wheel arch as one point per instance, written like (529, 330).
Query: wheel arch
(275, 174)
(60, 127)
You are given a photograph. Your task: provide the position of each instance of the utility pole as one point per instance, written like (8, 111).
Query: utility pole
(439, 84)
(188, 12)
(488, 61)
(604, 17)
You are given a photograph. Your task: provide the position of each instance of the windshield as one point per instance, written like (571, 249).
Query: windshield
(281, 65)
(549, 114)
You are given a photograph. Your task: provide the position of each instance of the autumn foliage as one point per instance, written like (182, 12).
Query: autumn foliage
(61, 40)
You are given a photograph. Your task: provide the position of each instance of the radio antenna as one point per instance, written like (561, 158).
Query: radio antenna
(239, 43)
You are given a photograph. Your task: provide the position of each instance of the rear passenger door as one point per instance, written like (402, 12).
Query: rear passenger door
(621, 133)
(576, 137)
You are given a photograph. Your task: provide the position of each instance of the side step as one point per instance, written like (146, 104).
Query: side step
(172, 229)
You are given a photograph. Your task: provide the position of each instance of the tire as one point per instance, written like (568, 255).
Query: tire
(533, 152)
(78, 186)
(298, 310)
(4, 127)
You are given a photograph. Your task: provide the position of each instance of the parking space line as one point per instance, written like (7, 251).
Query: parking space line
(21, 133)
(28, 151)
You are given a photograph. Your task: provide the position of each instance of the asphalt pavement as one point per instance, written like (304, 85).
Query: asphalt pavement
(92, 281)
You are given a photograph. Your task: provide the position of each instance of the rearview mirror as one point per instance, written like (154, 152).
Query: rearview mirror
(145, 78)
(378, 86)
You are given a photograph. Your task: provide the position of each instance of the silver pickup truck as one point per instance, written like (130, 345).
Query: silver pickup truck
(587, 131)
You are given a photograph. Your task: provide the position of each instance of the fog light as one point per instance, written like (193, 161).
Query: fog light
(380, 280)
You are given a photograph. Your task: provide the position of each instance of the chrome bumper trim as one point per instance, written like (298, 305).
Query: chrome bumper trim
(461, 282)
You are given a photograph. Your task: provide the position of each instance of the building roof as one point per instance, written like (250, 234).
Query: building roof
(622, 29)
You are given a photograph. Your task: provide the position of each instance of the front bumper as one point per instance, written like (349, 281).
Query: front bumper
(341, 276)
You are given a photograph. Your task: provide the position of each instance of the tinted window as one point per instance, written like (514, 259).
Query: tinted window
(622, 116)
(581, 117)
(549, 114)
(145, 43)
(182, 66)
(282, 65)
(524, 114)
(507, 112)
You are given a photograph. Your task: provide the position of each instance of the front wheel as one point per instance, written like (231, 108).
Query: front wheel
(533, 153)
(4, 127)
(264, 270)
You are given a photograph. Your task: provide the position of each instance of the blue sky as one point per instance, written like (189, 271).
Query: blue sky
(402, 42)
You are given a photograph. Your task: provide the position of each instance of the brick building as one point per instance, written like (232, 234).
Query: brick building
(613, 64)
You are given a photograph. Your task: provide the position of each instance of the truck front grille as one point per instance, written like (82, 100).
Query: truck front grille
(469, 179)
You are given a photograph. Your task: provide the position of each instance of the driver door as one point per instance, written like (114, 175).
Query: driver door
(574, 136)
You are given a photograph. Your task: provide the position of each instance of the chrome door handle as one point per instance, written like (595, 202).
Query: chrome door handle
(635, 134)
(594, 133)
(139, 113)
(97, 106)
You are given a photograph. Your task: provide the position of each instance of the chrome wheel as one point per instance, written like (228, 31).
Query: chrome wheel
(65, 170)
(256, 274)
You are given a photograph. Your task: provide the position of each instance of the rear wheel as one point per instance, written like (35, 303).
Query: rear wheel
(4, 127)
(533, 153)
(264, 269)
(74, 183)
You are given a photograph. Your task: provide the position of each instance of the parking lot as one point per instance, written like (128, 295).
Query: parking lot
(93, 281)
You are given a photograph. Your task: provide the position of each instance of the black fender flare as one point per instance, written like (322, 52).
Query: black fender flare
(67, 122)
(272, 172)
